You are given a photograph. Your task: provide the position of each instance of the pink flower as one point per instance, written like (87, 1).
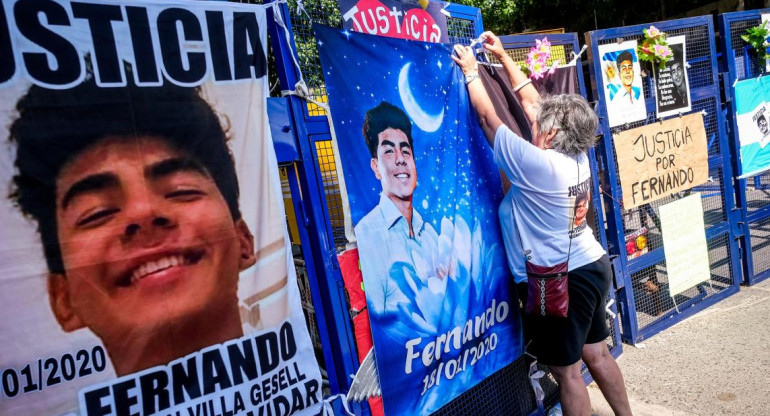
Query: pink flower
(538, 69)
(537, 59)
(662, 51)
(543, 46)
(652, 32)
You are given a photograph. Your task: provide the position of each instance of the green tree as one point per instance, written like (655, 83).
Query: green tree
(507, 17)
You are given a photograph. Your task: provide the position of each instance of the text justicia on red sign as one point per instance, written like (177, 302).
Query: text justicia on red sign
(374, 18)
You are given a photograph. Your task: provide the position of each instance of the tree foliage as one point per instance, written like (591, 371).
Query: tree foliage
(508, 17)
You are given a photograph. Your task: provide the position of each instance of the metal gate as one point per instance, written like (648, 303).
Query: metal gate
(646, 309)
(753, 193)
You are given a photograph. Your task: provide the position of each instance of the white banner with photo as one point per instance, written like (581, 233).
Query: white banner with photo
(145, 266)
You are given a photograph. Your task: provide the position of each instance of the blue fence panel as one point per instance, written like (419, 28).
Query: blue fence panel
(645, 305)
(752, 193)
(309, 198)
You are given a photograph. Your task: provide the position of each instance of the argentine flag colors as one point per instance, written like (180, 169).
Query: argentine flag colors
(752, 108)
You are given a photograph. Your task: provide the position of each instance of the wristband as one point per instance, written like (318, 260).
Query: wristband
(471, 77)
(522, 85)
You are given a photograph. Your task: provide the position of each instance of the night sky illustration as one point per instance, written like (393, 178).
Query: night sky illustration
(456, 179)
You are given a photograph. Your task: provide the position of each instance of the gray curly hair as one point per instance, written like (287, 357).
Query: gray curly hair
(573, 119)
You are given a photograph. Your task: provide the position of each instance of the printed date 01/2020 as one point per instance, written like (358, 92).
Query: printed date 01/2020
(48, 372)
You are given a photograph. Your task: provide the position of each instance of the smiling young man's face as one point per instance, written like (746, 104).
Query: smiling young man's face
(394, 165)
(147, 241)
(627, 73)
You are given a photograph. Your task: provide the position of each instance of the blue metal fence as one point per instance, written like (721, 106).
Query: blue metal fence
(646, 307)
(751, 194)
(308, 196)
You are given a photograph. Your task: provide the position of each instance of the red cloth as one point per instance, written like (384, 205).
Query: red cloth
(351, 275)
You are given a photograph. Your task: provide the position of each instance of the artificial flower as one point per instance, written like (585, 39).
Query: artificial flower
(662, 51)
(538, 69)
(537, 60)
(653, 47)
(652, 32)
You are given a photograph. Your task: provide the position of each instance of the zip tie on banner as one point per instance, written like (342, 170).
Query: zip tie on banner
(478, 41)
(444, 10)
(687, 65)
(608, 310)
(490, 64)
(576, 57)
(301, 10)
(328, 410)
(705, 113)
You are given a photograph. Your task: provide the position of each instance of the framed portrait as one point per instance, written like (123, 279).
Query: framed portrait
(622, 83)
(672, 86)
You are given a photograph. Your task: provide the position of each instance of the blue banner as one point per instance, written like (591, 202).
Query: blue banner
(424, 192)
(753, 120)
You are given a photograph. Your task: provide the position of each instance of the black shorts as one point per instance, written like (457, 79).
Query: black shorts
(559, 341)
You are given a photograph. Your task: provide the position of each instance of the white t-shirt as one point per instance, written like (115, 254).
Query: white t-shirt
(544, 197)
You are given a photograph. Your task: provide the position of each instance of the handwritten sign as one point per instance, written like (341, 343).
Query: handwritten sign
(684, 243)
(659, 159)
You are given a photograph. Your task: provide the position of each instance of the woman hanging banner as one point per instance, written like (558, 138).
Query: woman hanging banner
(437, 285)
(139, 275)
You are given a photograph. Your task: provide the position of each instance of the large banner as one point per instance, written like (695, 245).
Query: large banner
(752, 101)
(424, 193)
(144, 264)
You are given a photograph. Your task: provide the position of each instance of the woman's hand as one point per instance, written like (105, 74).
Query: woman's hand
(493, 45)
(465, 59)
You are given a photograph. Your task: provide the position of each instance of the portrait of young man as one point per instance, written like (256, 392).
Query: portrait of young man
(621, 75)
(143, 220)
(671, 84)
(136, 204)
(680, 86)
(627, 92)
(387, 132)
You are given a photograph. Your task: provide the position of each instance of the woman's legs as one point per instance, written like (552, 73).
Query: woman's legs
(572, 390)
(608, 377)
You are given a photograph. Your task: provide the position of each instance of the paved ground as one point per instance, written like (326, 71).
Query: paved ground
(714, 363)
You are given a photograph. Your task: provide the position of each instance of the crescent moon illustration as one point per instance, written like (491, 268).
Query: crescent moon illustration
(426, 122)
